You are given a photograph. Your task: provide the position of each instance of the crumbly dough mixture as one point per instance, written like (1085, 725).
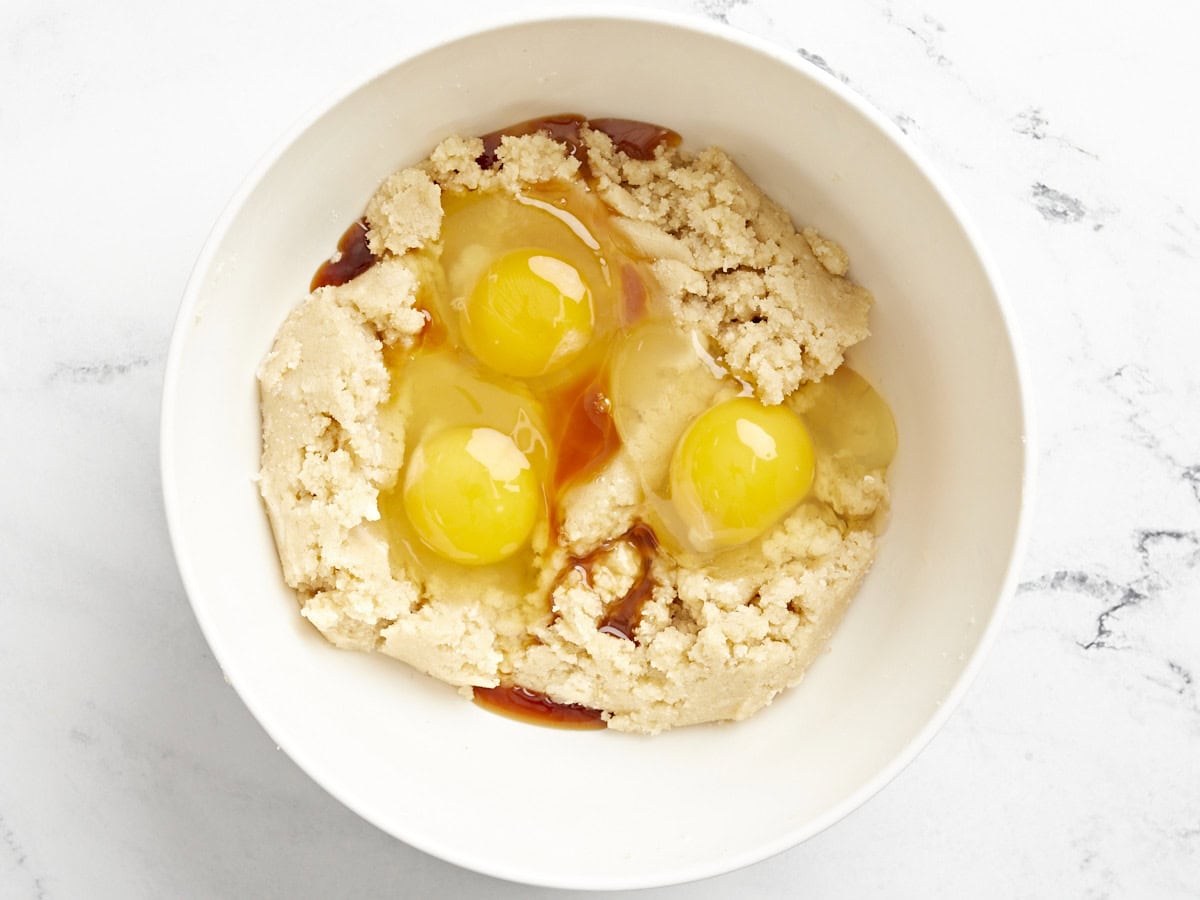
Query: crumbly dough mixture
(713, 643)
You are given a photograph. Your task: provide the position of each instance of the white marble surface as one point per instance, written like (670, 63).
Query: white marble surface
(129, 769)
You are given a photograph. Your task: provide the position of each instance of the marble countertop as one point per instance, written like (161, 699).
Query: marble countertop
(128, 768)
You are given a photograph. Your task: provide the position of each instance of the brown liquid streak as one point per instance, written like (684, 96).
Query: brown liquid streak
(621, 617)
(354, 257)
(586, 434)
(533, 706)
(581, 414)
(637, 140)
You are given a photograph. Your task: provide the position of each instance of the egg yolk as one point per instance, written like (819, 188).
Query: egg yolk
(471, 495)
(529, 314)
(739, 468)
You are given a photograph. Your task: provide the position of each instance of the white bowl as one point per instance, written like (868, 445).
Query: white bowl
(600, 809)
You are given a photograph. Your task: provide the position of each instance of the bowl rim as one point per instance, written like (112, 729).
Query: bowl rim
(439, 39)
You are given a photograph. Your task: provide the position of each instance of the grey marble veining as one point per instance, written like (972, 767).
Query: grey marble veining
(128, 768)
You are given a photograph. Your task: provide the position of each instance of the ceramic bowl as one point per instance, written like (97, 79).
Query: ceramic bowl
(601, 809)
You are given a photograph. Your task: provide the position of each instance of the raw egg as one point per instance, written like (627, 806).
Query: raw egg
(471, 494)
(738, 469)
(529, 314)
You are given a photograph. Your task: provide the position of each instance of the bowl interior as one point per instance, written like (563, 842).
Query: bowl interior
(597, 809)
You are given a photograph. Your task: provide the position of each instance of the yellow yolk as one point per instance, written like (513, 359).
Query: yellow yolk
(529, 314)
(737, 470)
(471, 495)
